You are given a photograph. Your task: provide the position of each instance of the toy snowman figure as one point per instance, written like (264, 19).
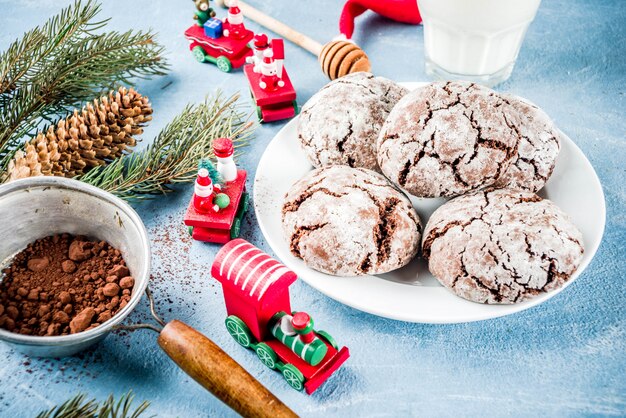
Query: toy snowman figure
(269, 79)
(259, 45)
(205, 197)
(233, 24)
(223, 150)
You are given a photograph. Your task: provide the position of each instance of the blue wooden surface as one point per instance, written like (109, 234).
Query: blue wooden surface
(566, 357)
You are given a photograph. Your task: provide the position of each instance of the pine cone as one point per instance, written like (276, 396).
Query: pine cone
(101, 132)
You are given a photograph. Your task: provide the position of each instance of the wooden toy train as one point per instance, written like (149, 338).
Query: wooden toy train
(216, 210)
(224, 44)
(229, 44)
(256, 293)
(270, 86)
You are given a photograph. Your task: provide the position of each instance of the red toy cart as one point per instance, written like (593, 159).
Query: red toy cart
(224, 225)
(272, 105)
(256, 292)
(226, 53)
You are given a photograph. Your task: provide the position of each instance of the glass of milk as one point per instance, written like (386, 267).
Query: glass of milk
(475, 40)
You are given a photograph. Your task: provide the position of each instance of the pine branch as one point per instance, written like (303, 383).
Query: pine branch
(22, 60)
(72, 408)
(79, 407)
(174, 155)
(63, 63)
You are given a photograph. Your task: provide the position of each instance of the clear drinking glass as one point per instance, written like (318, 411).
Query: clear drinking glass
(475, 40)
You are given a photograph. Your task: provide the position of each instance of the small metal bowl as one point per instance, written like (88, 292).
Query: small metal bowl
(37, 207)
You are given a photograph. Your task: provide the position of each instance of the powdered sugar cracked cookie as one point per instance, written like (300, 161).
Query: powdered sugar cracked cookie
(350, 221)
(340, 124)
(501, 246)
(446, 139)
(540, 142)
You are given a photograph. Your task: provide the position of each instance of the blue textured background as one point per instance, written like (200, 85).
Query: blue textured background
(566, 357)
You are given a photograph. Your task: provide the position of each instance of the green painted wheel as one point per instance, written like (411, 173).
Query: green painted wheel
(198, 53)
(235, 230)
(239, 331)
(224, 64)
(243, 205)
(296, 108)
(328, 338)
(267, 356)
(190, 230)
(259, 113)
(293, 376)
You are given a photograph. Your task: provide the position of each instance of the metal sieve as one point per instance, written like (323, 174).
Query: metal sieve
(37, 207)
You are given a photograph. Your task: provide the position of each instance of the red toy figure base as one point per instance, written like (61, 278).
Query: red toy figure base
(256, 294)
(227, 53)
(272, 105)
(222, 226)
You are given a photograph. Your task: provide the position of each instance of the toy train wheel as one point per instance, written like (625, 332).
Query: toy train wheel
(296, 109)
(267, 356)
(190, 230)
(239, 331)
(235, 230)
(243, 205)
(198, 53)
(259, 113)
(328, 338)
(224, 64)
(293, 376)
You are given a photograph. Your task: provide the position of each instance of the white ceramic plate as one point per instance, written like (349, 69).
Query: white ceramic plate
(412, 293)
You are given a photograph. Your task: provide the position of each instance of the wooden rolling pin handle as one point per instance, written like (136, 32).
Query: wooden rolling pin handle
(278, 27)
(217, 372)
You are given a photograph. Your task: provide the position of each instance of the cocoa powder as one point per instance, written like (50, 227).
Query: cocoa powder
(62, 285)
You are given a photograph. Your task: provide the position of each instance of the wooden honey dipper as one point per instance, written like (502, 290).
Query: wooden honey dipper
(337, 58)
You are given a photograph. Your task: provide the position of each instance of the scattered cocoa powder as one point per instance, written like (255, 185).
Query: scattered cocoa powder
(62, 285)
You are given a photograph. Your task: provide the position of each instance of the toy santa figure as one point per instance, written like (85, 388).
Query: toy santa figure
(259, 45)
(233, 24)
(206, 196)
(269, 80)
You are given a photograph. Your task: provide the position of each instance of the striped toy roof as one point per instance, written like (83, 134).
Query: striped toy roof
(250, 271)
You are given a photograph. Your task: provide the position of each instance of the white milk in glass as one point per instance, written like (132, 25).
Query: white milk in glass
(476, 40)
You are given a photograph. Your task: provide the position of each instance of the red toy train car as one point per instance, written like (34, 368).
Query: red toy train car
(216, 217)
(272, 105)
(225, 52)
(270, 86)
(256, 292)
(224, 225)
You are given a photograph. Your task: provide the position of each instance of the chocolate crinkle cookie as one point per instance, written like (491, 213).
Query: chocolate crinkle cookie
(339, 125)
(501, 246)
(446, 139)
(539, 145)
(350, 221)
